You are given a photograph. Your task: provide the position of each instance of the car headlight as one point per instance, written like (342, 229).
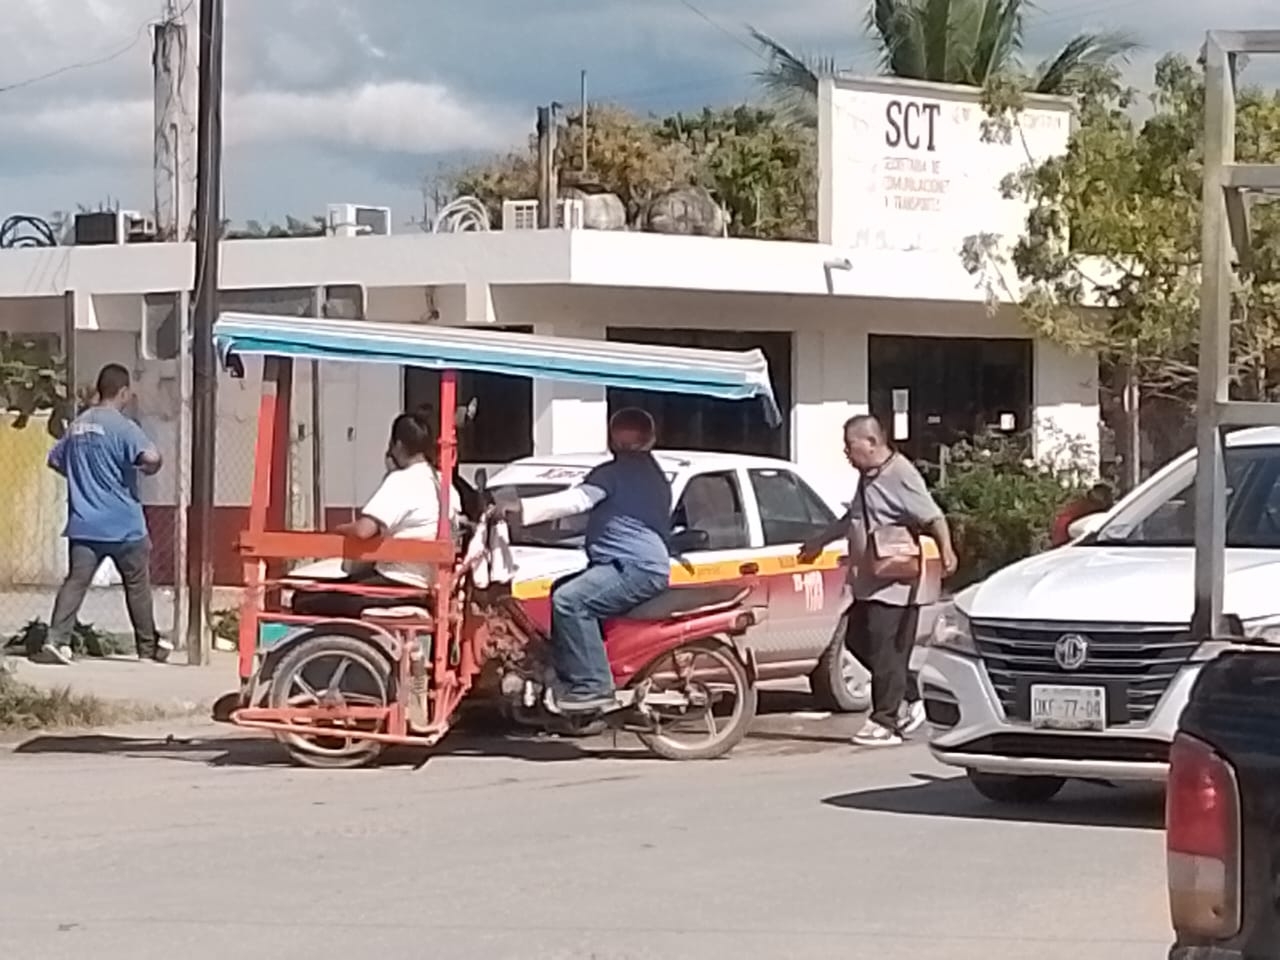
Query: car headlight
(951, 632)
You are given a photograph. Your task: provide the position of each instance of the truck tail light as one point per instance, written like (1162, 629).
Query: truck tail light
(1202, 839)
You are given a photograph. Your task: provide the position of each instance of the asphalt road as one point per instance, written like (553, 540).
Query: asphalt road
(132, 847)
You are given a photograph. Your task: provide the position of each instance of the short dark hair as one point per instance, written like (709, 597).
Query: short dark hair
(635, 421)
(113, 379)
(865, 423)
(415, 432)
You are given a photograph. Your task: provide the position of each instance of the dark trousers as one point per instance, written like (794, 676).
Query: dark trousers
(578, 604)
(348, 606)
(133, 560)
(881, 636)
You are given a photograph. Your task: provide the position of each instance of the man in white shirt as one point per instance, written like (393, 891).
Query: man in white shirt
(406, 506)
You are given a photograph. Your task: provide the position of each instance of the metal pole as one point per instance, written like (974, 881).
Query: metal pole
(585, 126)
(70, 365)
(317, 406)
(1215, 327)
(546, 215)
(203, 362)
(182, 477)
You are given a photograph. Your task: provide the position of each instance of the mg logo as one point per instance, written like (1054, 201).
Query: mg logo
(1071, 651)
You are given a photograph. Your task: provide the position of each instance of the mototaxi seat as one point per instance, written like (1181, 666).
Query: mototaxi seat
(677, 602)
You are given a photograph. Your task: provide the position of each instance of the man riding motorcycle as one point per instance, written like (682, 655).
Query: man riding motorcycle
(628, 502)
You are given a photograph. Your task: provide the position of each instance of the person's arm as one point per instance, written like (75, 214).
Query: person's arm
(812, 548)
(142, 453)
(58, 457)
(554, 506)
(923, 511)
(384, 511)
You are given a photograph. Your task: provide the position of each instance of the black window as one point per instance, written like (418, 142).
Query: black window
(712, 504)
(790, 511)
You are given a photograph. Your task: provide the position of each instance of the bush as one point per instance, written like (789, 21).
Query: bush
(1001, 502)
(86, 641)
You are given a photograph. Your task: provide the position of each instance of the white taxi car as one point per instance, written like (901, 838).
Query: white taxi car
(740, 518)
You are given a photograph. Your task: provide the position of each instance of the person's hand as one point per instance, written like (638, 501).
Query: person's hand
(950, 563)
(810, 551)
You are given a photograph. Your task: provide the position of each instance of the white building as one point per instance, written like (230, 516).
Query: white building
(880, 317)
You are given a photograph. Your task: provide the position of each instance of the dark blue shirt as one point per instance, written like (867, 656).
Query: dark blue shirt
(633, 523)
(98, 455)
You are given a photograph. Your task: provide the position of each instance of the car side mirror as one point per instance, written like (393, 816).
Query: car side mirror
(1086, 525)
(688, 539)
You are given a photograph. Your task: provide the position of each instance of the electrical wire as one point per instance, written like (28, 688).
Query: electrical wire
(463, 215)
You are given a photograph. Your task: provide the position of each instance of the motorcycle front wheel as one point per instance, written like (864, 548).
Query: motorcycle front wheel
(722, 701)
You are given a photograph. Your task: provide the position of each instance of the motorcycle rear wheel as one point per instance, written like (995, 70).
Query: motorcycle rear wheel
(726, 673)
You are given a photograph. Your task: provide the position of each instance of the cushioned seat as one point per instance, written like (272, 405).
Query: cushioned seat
(396, 613)
(683, 601)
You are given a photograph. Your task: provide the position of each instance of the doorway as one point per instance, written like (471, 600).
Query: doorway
(934, 391)
(502, 428)
(688, 422)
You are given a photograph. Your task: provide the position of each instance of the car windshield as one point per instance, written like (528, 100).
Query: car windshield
(1253, 508)
(566, 532)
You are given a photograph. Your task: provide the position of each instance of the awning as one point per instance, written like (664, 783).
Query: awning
(726, 374)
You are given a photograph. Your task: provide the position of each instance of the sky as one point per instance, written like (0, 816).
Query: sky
(360, 101)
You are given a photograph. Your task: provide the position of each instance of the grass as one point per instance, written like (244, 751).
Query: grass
(24, 707)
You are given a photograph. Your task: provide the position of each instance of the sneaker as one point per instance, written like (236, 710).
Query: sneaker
(586, 703)
(55, 653)
(911, 717)
(161, 654)
(874, 735)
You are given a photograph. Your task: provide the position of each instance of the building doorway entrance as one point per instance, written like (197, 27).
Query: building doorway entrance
(703, 423)
(933, 391)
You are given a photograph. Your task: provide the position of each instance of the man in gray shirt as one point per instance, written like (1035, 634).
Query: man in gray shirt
(882, 621)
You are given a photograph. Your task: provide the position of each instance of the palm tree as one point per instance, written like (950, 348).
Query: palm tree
(947, 41)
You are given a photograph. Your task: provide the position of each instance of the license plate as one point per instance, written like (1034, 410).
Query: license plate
(1068, 708)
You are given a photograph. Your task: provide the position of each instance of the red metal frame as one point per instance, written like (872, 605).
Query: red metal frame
(267, 543)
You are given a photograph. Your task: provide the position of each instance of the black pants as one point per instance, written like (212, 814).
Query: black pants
(133, 560)
(882, 636)
(349, 606)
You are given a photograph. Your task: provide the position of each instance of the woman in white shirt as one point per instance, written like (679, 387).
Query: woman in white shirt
(406, 506)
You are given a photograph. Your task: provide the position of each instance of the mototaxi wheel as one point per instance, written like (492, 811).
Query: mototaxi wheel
(709, 671)
(339, 670)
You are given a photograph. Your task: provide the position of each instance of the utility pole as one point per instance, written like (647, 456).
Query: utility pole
(582, 94)
(174, 136)
(547, 186)
(203, 362)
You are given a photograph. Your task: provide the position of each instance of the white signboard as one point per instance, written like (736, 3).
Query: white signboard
(904, 165)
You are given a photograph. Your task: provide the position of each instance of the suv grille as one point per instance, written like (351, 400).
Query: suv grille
(1136, 663)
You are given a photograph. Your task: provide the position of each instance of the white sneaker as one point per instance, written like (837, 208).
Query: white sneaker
(911, 717)
(51, 653)
(874, 735)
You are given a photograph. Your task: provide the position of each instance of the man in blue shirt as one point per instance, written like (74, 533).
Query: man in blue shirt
(628, 502)
(101, 455)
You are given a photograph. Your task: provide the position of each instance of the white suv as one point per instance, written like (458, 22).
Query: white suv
(1076, 663)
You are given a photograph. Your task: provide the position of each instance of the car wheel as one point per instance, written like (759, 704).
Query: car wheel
(840, 682)
(1023, 791)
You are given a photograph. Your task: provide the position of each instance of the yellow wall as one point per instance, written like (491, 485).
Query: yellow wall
(32, 507)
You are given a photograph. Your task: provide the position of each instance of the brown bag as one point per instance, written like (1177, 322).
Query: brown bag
(893, 552)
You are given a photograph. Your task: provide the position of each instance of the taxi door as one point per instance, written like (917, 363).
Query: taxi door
(712, 504)
(804, 601)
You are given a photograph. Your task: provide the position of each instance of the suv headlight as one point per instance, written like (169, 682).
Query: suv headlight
(951, 632)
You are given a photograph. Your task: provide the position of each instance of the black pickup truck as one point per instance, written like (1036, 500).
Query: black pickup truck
(1223, 812)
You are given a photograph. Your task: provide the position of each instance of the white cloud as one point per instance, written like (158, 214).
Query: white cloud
(395, 116)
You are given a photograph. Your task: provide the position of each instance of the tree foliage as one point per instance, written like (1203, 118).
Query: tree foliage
(763, 171)
(968, 42)
(32, 380)
(1111, 259)
(292, 227)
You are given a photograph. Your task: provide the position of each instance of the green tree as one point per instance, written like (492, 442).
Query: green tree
(763, 171)
(966, 42)
(33, 380)
(1110, 260)
(292, 227)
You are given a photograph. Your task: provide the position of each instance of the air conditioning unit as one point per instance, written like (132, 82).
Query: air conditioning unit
(354, 220)
(111, 227)
(519, 214)
(571, 215)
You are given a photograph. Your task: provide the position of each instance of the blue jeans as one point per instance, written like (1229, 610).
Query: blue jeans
(578, 605)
